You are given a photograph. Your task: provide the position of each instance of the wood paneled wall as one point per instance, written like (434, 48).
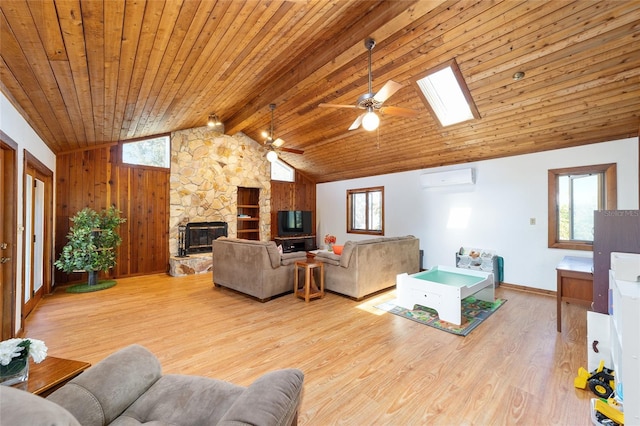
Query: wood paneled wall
(95, 179)
(298, 195)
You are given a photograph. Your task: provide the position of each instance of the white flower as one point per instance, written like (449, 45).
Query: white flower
(37, 350)
(11, 348)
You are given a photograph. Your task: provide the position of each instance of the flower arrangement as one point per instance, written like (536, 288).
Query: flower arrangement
(14, 358)
(329, 240)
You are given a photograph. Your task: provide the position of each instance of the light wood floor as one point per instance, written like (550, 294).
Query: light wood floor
(362, 366)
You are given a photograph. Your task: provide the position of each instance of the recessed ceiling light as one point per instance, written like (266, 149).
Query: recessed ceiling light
(518, 76)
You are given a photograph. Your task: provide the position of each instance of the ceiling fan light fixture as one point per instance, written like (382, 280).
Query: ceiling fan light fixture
(272, 156)
(370, 121)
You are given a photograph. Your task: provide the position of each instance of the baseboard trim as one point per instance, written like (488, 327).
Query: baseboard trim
(528, 289)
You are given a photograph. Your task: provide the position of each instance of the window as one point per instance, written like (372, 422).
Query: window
(154, 152)
(446, 94)
(365, 211)
(282, 171)
(574, 194)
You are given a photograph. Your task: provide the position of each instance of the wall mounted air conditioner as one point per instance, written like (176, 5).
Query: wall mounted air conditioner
(447, 178)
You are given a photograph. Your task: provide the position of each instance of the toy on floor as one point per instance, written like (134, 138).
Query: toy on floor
(601, 380)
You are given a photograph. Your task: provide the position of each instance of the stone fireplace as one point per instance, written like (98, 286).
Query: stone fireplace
(207, 167)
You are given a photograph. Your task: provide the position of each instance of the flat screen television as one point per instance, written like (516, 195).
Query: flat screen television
(293, 223)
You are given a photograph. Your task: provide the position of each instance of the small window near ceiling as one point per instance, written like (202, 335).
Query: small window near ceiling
(153, 152)
(282, 171)
(574, 195)
(446, 94)
(365, 211)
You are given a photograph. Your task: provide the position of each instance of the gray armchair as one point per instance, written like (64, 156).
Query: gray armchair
(128, 388)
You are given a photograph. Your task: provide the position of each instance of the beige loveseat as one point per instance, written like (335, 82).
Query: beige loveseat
(255, 268)
(128, 388)
(368, 266)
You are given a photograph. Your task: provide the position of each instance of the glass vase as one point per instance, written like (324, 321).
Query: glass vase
(17, 371)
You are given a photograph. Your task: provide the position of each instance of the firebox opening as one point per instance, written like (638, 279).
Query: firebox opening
(200, 235)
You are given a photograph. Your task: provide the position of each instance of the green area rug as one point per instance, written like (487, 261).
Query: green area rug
(474, 312)
(86, 288)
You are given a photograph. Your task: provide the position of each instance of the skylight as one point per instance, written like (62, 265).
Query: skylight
(447, 95)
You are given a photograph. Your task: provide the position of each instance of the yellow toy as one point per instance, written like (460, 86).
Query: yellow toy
(601, 381)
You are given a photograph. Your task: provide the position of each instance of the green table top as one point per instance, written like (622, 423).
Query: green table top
(448, 278)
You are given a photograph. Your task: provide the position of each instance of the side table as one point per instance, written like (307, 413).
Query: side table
(574, 283)
(310, 289)
(51, 374)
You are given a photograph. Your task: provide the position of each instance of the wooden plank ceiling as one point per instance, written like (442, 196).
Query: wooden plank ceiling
(86, 73)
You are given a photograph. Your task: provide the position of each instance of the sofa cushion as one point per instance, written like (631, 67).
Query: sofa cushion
(272, 400)
(102, 392)
(182, 400)
(291, 258)
(18, 407)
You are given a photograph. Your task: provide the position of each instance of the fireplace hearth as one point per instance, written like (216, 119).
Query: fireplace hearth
(199, 236)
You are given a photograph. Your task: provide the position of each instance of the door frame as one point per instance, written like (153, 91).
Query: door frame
(43, 173)
(8, 222)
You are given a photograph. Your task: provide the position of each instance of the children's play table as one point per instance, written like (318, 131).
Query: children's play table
(442, 288)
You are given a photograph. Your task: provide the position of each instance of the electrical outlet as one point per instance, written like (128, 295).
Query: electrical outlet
(532, 221)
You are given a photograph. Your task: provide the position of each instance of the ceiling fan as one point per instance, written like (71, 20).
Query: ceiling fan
(372, 102)
(275, 144)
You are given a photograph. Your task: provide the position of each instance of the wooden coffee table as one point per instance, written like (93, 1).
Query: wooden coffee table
(51, 374)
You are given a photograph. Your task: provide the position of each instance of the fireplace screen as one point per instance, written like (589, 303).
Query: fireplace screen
(200, 235)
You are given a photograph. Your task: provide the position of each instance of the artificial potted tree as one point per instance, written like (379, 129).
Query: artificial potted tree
(93, 239)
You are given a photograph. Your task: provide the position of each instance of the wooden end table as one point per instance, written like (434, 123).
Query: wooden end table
(310, 289)
(51, 374)
(575, 283)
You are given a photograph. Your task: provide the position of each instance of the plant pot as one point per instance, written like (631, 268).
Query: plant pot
(17, 371)
(93, 277)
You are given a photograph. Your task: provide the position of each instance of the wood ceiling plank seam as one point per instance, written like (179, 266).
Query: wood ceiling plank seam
(148, 30)
(556, 66)
(113, 35)
(93, 24)
(309, 69)
(554, 41)
(46, 18)
(520, 94)
(133, 15)
(542, 96)
(190, 50)
(170, 32)
(64, 77)
(210, 83)
(287, 26)
(304, 21)
(523, 126)
(70, 18)
(518, 32)
(19, 98)
(199, 69)
(24, 55)
(259, 125)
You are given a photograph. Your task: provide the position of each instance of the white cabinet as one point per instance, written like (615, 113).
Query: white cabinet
(624, 301)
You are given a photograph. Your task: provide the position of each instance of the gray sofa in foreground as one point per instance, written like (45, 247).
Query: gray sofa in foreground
(368, 266)
(128, 388)
(252, 267)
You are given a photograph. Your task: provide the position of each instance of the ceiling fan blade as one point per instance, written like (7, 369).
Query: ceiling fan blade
(277, 143)
(389, 88)
(357, 123)
(403, 112)
(336, 106)
(292, 150)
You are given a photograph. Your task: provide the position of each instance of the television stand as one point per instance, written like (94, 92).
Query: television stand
(293, 244)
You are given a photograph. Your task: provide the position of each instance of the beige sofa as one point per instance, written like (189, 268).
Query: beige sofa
(368, 266)
(128, 388)
(255, 268)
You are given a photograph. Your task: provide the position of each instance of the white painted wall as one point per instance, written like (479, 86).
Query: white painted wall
(17, 128)
(508, 192)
